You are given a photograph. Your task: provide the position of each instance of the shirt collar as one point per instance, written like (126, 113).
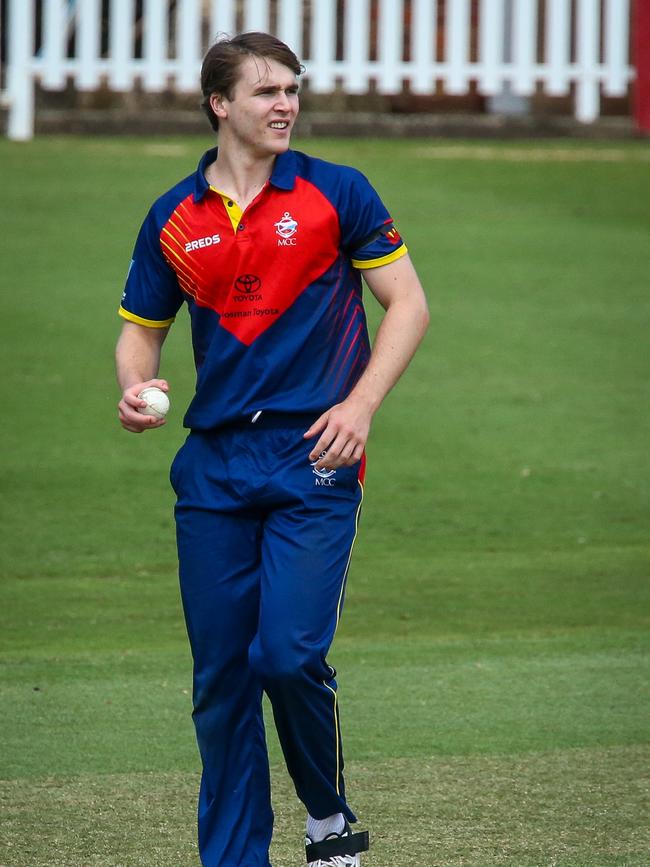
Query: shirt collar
(201, 186)
(283, 175)
(284, 171)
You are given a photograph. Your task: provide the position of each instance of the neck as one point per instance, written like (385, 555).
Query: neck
(239, 175)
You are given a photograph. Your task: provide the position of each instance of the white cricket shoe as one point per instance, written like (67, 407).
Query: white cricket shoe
(337, 850)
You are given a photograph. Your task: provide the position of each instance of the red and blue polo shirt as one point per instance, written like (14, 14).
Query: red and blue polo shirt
(274, 293)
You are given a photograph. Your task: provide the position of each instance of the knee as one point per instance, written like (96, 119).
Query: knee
(279, 663)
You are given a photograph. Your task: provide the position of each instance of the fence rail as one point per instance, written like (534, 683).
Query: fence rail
(560, 47)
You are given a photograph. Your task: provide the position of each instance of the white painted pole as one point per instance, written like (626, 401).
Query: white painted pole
(54, 44)
(423, 45)
(523, 46)
(154, 45)
(290, 25)
(20, 78)
(356, 45)
(223, 18)
(491, 29)
(121, 44)
(188, 45)
(457, 39)
(323, 47)
(587, 90)
(256, 15)
(558, 34)
(617, 37)
(391, 30)
(88, 24)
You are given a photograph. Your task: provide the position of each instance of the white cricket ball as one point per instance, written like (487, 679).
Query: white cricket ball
(157, 402)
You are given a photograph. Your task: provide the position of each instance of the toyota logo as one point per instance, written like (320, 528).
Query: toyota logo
(248, 283)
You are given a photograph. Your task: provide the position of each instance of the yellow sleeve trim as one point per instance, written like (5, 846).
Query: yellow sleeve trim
(375, 263)
(148, 323)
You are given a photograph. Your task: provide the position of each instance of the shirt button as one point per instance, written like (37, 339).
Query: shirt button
(230, 203)
(241, 227)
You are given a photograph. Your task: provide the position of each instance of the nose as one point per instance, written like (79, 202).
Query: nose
(282, 102)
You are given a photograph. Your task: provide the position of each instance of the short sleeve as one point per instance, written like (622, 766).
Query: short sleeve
(368, 233)
(152, 296)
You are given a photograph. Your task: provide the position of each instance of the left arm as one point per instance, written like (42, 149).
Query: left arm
(344, 428)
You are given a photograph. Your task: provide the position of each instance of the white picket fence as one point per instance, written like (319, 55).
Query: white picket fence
(560, 46)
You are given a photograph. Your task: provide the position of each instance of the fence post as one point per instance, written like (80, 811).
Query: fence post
(641, 39)
(323, 52)
(20, 80)
(457, 25)
(587, 106)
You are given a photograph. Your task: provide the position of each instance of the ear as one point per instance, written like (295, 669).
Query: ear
(217, 105)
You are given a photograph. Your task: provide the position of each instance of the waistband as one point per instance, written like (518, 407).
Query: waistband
(268, 420)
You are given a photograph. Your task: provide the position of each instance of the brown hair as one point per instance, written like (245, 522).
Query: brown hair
(220, 69)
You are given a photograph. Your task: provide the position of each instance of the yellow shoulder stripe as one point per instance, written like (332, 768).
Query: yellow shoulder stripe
(149, 323)
(364, 264)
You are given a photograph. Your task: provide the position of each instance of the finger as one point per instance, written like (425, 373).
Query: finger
(141, 428)
(323, 445)
(132, 400)
(162, 384)
(346, 456)
(129, 408)
(136, 421)
(317, 427)
(150, 421)
(332, 457)
(132, 392)
(350, 455)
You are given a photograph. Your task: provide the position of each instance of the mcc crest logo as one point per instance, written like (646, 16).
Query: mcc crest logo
(286, 228)
(324, 478)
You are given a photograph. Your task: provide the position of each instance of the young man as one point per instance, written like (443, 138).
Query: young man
(266, 246)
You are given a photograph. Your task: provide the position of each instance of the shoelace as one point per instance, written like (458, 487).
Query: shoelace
(336, 861)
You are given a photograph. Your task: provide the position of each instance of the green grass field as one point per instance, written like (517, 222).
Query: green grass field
(493, 655)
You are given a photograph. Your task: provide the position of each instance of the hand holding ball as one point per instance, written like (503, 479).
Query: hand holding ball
(157, 402)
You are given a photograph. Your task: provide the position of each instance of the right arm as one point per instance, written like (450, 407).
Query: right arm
(137, 361)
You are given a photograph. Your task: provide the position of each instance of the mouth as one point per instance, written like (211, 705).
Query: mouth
(279, 124)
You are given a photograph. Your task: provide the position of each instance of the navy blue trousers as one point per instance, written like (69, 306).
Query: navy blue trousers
(264, 544)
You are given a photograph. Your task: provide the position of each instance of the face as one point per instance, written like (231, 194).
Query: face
(263, 108)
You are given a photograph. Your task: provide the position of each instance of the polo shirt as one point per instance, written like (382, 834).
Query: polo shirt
(274, 293)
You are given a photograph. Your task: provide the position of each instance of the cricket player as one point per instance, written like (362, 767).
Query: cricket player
(266, 246)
